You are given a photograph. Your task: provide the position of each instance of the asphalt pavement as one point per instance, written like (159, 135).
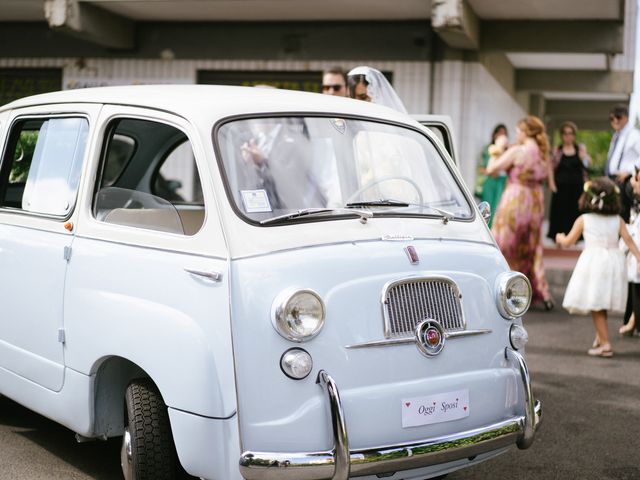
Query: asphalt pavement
(590, 429)
(591, 406)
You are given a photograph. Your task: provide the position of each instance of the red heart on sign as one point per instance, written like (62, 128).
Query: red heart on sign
(465, 409)
(408, 403)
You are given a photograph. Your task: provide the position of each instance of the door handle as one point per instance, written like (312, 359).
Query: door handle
(213, 276)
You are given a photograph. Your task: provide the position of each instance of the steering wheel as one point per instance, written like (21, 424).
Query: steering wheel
(380, 180)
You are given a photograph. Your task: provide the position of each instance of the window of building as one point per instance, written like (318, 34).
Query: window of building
(16, 83)
(303, 80)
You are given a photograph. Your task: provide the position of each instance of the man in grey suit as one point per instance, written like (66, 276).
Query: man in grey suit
(280, 155)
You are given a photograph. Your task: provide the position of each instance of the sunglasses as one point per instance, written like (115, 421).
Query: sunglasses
(614, 117)
(568, 132)
(336, 87)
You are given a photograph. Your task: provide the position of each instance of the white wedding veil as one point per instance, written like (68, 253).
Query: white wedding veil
(379, 88)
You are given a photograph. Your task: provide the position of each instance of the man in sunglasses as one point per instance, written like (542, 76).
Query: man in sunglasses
(624, 155)
(334, 82)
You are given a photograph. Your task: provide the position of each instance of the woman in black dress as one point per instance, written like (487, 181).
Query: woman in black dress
(571, 162)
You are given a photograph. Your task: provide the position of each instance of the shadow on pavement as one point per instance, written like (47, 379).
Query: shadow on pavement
(99, 460)
(588, 433)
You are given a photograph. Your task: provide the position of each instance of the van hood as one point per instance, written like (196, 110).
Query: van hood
(276, 411)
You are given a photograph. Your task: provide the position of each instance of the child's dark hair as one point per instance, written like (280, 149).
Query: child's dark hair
(601, 195)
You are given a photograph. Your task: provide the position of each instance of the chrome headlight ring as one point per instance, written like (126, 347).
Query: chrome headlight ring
(298, 314)
(513, 295)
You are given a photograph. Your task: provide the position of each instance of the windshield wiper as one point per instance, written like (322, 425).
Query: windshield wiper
(388, 202)
(446, 216)
(383, 202)
(305, 212)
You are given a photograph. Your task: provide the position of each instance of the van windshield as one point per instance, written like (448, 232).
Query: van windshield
(293, 168)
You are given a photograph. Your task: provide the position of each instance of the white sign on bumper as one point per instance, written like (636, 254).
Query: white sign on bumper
(442, 407)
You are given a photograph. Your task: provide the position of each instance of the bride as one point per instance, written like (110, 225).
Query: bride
(368, 84)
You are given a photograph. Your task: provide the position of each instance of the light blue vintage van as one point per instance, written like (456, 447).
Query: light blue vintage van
(258, 284)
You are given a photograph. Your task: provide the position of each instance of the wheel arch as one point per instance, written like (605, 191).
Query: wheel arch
(112, 377)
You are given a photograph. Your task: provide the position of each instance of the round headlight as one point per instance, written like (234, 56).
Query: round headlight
(298, 314)
(514, 295)
(296, 363)
(518, 336)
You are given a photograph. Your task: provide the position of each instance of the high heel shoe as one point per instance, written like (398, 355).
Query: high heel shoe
(627, 330)
(548, 304)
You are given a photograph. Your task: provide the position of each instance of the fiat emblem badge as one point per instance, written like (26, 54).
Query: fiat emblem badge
(430, 337)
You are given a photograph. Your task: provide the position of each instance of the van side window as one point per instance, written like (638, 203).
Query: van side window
(42, 165)
(121, 149)
(149, 179)
(177, 180)
(443, 135)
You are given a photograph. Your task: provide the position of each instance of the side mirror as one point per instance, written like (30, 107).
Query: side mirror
(485, 210)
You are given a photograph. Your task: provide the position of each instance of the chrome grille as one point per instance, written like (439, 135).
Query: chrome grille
(406, 303)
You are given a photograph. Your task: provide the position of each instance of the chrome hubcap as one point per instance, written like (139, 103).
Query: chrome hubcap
(125, 455)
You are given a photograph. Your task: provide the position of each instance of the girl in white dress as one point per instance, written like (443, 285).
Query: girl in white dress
(599, 281)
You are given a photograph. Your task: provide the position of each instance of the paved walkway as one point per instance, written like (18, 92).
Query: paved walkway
(560, 259)
(591, 408)
(558, 266)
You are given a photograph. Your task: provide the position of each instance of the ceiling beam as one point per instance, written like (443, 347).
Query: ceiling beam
(591, 81)
(580, 36)
(577, 109)
(456, 23)
(586, 114)
(90, 23)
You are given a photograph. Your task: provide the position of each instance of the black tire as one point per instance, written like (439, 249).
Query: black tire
(150, 453)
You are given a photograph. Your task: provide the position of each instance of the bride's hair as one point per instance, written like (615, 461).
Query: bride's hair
(353, 81)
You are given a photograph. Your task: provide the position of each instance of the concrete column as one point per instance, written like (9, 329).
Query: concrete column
(456, 23)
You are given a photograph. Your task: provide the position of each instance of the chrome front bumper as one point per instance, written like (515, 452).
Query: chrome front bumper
(342, 463)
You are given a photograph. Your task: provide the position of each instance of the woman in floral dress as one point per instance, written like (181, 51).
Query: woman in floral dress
(518, 221)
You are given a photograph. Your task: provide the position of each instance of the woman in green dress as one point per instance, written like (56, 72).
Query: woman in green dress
(489, 187)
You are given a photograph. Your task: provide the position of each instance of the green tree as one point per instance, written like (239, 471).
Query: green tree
(23, 155)
(597, 143)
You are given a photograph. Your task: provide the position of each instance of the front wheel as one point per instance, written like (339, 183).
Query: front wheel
(147, 451)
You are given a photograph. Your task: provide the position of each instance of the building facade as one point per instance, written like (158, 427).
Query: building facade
(482, 62)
